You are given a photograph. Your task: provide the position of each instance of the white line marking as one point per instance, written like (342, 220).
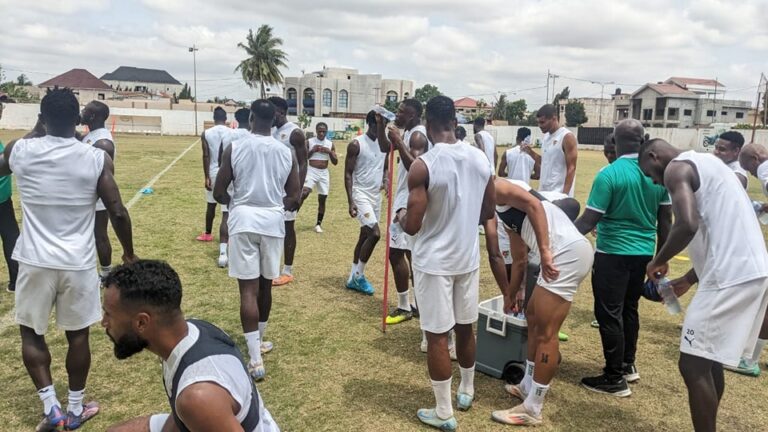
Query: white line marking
(154, 180)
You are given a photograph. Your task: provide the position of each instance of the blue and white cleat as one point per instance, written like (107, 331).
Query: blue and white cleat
(464, 401)
(429, 417)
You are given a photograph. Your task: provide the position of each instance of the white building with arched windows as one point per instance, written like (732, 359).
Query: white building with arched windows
(342, 92)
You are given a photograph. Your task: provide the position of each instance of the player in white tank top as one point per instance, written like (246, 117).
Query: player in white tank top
(727, 148)
(559, 154)
(754, 159)
(212, 140)
(94, 116)
(715, 220)
(485, 141)
(518, 163)
(321, 152)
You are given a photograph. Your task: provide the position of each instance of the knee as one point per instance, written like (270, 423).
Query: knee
(375, 234)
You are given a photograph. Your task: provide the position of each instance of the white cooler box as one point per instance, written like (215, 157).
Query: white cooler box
(501, 342)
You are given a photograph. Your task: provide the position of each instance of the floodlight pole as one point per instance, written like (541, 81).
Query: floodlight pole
(193, 50)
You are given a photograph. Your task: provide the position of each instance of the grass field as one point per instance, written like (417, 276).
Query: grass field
(332, 369)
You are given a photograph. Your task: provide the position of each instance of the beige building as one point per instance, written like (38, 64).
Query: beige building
(139, 80)
(83, 83)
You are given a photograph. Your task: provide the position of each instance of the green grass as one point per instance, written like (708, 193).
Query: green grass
(332, 368)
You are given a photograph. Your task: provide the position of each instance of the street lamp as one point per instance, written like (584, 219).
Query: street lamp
(193, 50)
(602, 89)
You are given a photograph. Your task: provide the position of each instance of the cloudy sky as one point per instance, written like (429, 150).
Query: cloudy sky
(467, 48)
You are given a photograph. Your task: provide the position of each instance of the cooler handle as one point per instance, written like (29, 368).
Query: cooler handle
(496, 317)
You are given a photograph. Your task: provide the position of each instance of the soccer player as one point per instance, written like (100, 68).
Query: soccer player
(321, 150)
(461, 133)
(484, 141)
(265, 179)
(727, 148)
(450, 192)
(9, 228)
(536, 224)
(292, 137)
(559, 153)
(519, 162)
(715, 220)
(206, 381)
(60, 179)
(94, 116)
(212, 140)
(365, 172)
(630, 213)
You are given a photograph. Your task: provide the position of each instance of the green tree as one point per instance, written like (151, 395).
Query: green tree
(575, 114)
(499, 111)
(515, 112)
(265, 58)
(563, 95)
(391, 105)
(186, 93)
(22, 80)
(425, 93)
(304, 120)
(530, 120)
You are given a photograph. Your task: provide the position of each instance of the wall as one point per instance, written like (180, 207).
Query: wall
(152, 87)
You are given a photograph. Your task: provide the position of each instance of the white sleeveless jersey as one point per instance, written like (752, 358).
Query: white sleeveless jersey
(57, 179)
(215, 138)
(553, 167)
(234, 135)
(260, 167)
(728, 248)
(283, 133)
(98, 135)
(489, 145)
(401, 193)
(735, 166)
(447, 243)
(369, 168)
(519, 165)
(324, 143)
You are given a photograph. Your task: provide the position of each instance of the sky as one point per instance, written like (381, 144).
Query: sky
(479, 48)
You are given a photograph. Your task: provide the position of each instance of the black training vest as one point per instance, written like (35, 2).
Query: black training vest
(513, 218)
(212, 341)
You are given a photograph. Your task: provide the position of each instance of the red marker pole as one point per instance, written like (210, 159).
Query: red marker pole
(386, 249)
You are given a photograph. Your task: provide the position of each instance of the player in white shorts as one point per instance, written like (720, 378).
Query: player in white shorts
(534, 223)
(211, 141)
(292, 137)
(715, 220)
(450, 192)
(321, 150)
(265, 179)
(365, 171)
(59, 180)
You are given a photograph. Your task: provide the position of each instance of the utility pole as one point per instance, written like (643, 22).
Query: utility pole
(194, 50)
(546, 100)
(602, 92)
(714, 103)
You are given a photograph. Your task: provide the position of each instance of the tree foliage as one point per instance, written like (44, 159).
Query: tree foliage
(512, 112)
(265, 58)
(304, 120)
(22, 80)
(425, 93)
(185, 93)
(391, 105)
(575, 114)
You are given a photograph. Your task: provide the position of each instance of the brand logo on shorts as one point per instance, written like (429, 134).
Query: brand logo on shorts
(367, 215)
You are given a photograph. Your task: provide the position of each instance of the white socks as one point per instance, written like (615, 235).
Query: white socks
(48, 396)
(76, 401)
(253, 340)
(402, 301)
(467, 384)
(262, 329)
(360, 271)
(352, 272)
(535, 399)
(758, 350)
(527, 382)
(288, 270)
(442, 390)
(222, 248)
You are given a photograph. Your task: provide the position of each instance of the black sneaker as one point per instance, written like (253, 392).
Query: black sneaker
(11, 287)
(605, 385)
(415, 311)
(630, 373)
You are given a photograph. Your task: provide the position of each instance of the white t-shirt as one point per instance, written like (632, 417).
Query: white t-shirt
(489, 145)
(320, 155)
(369, 168)
(57, 179)
(214, 137)
(260, 166)
(284, 132)
(735, 166)
(762, 175)
(553, 166)
(519, 165)
(728, 248)
(401, 193)
(447, 243)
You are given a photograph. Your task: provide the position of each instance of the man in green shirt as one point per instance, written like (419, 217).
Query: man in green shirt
(630, 212)
(9, 228)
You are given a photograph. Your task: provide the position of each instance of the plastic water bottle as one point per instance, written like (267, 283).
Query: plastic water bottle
(761, 215)
(668, 296)
(387, 114)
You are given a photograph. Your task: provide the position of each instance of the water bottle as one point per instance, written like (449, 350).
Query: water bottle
(668, 296)
(387, 114)
(761, 215)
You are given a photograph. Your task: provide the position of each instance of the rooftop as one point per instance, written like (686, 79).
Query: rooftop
(76, 79)
(465, 102)
(129, 73)
(682, 81)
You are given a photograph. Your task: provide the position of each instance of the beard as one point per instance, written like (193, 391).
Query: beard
(128, 345)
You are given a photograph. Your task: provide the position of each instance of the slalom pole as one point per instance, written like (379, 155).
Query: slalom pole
(384, 302)
(113, 124)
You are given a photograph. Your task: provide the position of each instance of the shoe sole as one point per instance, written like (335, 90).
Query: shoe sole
(398, 320)
(533, 423)
(623, 393)
(742, 372)
(632, 378)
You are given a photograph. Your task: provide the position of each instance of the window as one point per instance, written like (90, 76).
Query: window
(309, 94)
(723, 113)
(710, 113)
(739, 115)
(327, 98)
(343, 99)
(391, 96)
(291, 93)
(405, 95)
(647, 114)
(673, 112)
(687, 113)
(101, 96)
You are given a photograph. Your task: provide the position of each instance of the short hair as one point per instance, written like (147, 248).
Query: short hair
(263, 109)
(647, 146)
(479, 122)
(547, 111)
(608, 140)
(321, 124)
(100, 109)
(242, 115)
(219, 114)
(733, 137)
(569, 206)
(279, 103)
(147, 283)
(415, 104)
(370, 118)
(60, 108)
(523, 133)
(461, 133)
(440, 110)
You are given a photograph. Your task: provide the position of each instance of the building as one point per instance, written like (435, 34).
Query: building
(599, 112)
(686, 102)
(83, 83)
(342, 92)
(139, 80)
(468, 107)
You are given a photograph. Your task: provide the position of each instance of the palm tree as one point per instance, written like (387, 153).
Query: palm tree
(265, 58)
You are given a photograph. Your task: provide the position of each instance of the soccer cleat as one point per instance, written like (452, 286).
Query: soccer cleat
(223, 260)
(282, 280)
(11, 287)
(318, 229)
(256, 370)
(464, 401)
(399, 315)
(352, 284)
(562, 337)
(603, 384)
(361, 285)
(429, 417)
(75, 421)
(204, 237)
(52, 421)
(517, 416)
(744, 368)
(515, 390)
(594, 324)
(266, 347)
(630, 373)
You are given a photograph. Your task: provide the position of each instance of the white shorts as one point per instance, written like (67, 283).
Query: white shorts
(368, 210)
(75, 293)
(723, 324)
(252, 255)
(398, 239)
(504, 246)
(445, 301)
(210, 200)
(319, 177)
(574, 262)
